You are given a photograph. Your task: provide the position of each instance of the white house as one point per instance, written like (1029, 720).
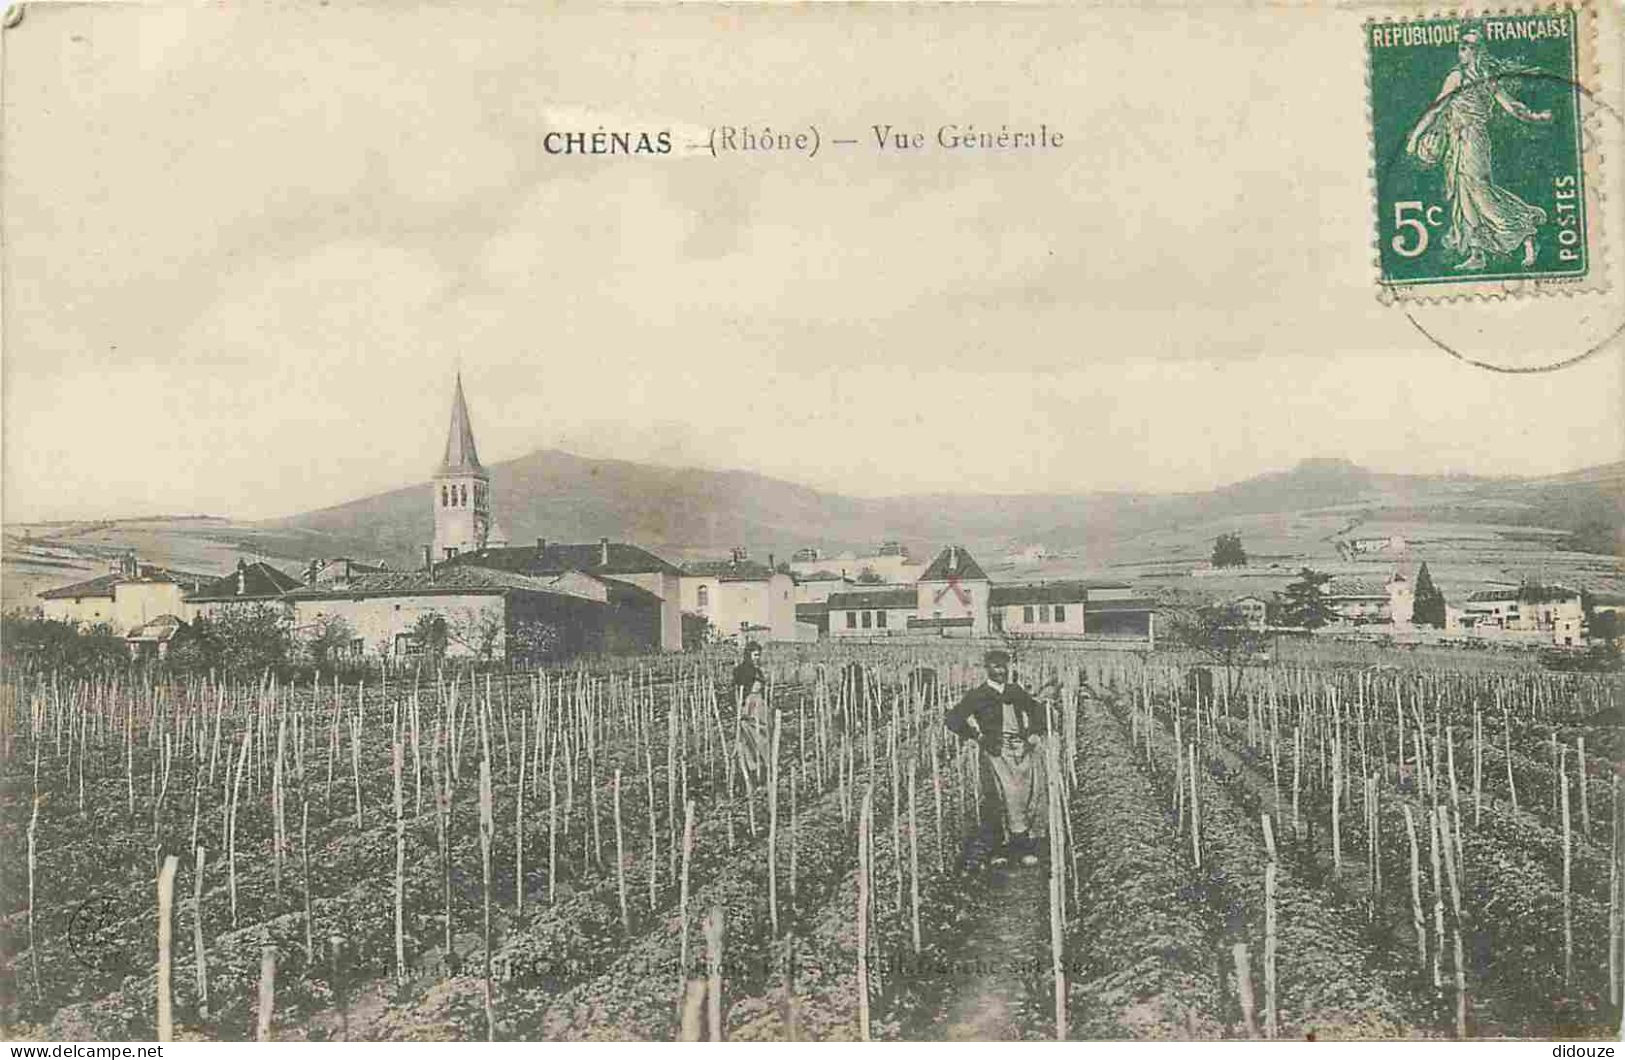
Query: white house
(952, 596)
(884, 612)
(741, 598)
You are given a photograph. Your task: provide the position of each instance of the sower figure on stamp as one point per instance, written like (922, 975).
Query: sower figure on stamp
(750, 699)
(1009, 725)
(1485, 218)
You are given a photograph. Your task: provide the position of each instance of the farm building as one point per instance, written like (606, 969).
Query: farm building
(1544, 613)
(250, 585)
(129, 596)
(1359, 601)
(741, 598)
(951, 595)
(606, 561)
(1254, 611)
(954, 597)
(818, 588)
(488, 612)
(871, 613)
(890, 564)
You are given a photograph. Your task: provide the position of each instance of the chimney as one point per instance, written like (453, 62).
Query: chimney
(953, 557)
(428, 560)
(242, 578)
(603, 552)
(541, 547)
(770, 566)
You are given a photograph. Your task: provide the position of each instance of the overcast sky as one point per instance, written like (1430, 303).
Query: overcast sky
(246, 251)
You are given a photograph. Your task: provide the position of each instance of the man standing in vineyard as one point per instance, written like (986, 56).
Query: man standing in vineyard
(1009, 725)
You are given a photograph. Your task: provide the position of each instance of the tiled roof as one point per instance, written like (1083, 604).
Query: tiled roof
(1530, 594)
(728, 570)
(257, 581)
(101, 585)
(461, 457)
(1356, 589)
(821, 576)
(880, 600)
(1044, 593)
(1096, 607)
(446, 579)
(555, 559)
(965, 567)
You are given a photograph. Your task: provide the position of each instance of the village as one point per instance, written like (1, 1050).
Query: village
(496, 599)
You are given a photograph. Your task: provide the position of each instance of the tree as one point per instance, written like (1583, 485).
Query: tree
(867, 576)
(1227, 551)
(246, 641)
(329, 640)
(43, 645)
(429, 635)
(1304, 604)
(535, 641)
(1222, 633)
(1430, 604)
(478, 631)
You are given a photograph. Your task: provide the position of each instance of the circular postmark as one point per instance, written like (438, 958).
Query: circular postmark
(1491, 290)
(93, 936)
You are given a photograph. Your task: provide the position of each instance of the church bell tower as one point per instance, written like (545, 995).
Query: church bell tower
(461, 488)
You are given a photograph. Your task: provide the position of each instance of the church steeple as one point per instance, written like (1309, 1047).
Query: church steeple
(460, 489)
(461, 455)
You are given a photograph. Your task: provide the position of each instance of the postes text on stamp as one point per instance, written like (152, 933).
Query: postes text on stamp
(1482, 179)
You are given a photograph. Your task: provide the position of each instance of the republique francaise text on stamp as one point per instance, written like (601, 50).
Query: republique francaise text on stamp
(1483, 179)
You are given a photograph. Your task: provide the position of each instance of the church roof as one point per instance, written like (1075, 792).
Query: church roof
(461, 457)
(606, 557)
(954, 562)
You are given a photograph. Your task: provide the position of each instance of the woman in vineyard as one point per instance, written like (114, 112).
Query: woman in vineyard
(1008, 724)
(750, 698)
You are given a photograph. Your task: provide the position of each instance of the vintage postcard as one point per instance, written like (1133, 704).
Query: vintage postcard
(779, 522)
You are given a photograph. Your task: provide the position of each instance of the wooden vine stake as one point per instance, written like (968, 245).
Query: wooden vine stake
(620, 858)
(33, 941)
(913, 861)
(486, 829)
(1614, 911)
(1271, 1019)
(400, 869)
(1057, 891)
(1568, 894)
(1455, 905)
(200, 961)
(166, 904)
(267, 994)
(1244, 987)
(682, 891)
(1478, 765)
(1416, 892)
(865, 818)
(713, 928)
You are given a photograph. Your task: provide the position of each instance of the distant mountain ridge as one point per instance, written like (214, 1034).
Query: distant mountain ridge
(564, 497)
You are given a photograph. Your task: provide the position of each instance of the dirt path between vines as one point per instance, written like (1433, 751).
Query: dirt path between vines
(992, 1000)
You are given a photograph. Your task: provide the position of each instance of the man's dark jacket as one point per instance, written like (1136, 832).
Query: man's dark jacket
(983, 703)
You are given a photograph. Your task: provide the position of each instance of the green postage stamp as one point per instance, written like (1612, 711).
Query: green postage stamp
(1482, 177)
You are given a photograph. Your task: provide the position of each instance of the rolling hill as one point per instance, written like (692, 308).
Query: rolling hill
(1289, 516)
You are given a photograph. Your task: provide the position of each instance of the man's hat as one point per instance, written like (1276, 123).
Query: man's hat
(996, 655)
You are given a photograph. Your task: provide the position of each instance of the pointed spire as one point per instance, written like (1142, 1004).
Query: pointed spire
(461, 456)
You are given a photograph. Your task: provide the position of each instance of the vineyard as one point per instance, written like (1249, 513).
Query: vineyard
(1322, 847)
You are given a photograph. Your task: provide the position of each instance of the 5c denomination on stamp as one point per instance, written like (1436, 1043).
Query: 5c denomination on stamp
(1483, 181)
